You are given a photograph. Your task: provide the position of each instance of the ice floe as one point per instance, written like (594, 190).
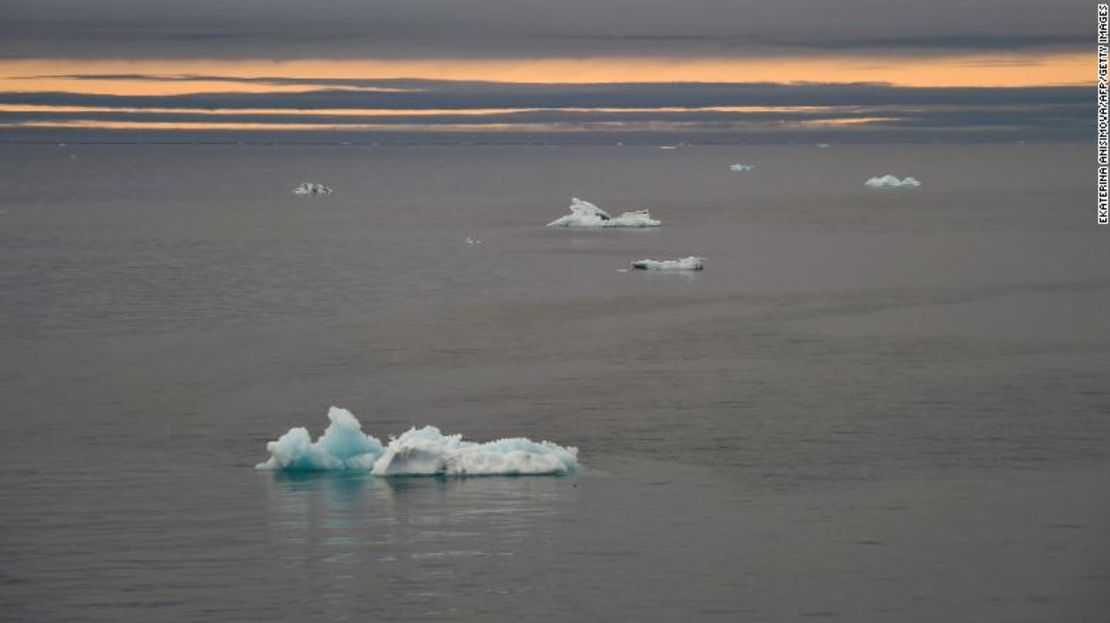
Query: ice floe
(741, 167)
(686, 263)
(586, 214)
(311, 188)
(891, 181)
(417, 452)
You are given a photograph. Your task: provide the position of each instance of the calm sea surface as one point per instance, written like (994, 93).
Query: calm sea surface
(871, 405)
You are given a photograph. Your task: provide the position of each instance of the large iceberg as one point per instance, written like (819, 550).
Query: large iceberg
(686, 263)
(310, 188)
(740, 168)
(418, 452)
(891, 181)
(586, 214)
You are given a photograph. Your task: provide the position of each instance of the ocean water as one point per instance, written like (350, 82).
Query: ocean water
(872, 405)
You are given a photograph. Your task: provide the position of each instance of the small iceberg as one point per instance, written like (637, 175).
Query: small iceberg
(890, 181)
(686, 263)
(586, 214)
(741, 167)
(310, 188)
(418, 452)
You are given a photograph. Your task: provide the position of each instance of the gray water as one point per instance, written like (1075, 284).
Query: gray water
(871, 406)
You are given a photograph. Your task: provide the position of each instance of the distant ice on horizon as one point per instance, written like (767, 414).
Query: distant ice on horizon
(587, 215)
(741, 167)
(311, 188)
(418, 452)
(891, 181)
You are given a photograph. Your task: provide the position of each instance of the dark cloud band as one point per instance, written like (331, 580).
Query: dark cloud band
(720, 111)
(437, 94)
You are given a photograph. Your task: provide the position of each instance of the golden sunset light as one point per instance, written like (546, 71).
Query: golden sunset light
(981, 70)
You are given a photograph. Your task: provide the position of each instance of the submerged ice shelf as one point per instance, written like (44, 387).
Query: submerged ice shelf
(587, 215)
(417, 452)
(686, 263)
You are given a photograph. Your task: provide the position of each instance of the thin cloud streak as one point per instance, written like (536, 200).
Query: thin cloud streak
(1061, 113)
(471, 95)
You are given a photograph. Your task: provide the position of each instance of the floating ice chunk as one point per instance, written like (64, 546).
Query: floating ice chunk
(741, 167)
(890, 181)
(586, 214)
(472, 241)
(342, 446)
(418, 452)
(585, 208)
(634, 218)
(822, 145)
(668, 147)
(310, 188)
(686, 263)
(428, 452)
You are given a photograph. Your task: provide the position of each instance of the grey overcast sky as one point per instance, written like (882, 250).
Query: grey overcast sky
(285, 29)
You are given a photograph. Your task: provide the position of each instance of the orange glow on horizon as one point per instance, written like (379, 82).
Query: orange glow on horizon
(985, 70)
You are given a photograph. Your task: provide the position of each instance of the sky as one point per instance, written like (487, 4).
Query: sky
(531, 70)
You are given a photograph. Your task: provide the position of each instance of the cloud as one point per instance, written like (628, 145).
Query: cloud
(423, 94)
(705, 112)
(284, 29)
